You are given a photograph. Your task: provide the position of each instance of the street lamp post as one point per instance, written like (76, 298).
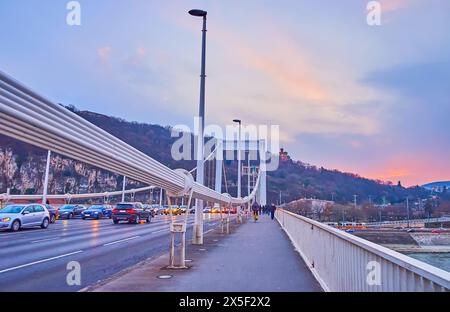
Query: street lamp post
(124, 185)
(239, 157)
(238, 121)
(407, 212)
(198, 224)
(47, 170)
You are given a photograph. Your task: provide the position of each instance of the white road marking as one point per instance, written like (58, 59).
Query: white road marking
(45, 240)
(121, 241)
(40, 261)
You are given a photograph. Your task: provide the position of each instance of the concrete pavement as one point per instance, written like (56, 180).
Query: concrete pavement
(256, 257)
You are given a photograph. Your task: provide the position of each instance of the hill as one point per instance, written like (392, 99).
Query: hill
(438, 186)
(22, 167)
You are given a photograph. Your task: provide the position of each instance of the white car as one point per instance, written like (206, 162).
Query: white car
(14, 217)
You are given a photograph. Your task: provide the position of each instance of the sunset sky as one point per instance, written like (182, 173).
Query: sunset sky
(369, 100)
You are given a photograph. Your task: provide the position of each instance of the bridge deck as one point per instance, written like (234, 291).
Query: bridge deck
(255, 257)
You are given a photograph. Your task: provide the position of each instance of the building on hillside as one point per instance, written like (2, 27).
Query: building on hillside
(284, 156)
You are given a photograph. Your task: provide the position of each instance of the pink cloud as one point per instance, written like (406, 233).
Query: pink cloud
(411, 170)
(104, 53)
(394, 5)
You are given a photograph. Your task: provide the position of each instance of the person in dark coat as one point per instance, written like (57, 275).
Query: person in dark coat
(273, 208)
(255, 209)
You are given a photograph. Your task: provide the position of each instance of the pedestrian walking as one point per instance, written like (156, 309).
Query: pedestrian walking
(273, 208)
(255, 209)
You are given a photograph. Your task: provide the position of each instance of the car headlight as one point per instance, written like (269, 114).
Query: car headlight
(6, 219)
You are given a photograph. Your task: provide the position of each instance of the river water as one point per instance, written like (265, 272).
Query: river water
(440, 260)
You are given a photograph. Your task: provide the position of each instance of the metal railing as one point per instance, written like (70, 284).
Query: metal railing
(343, 262)
(6, 197)
(29, 117)
(411, 221)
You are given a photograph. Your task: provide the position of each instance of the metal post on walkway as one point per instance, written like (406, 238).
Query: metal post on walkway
(228, 220)
(172, 236)
(178, 228)
(47, 171)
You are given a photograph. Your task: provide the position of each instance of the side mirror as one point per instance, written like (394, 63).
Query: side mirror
(25, 213)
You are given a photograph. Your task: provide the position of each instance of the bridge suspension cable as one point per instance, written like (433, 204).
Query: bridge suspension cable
(29, 117)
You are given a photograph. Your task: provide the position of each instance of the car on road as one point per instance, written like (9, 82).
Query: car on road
(16, 217)
(175, 210)
(97, 212)
(207, 210)
(151, 209)
(54, 213)
(157, 210)
(131, 213)
(71, 211)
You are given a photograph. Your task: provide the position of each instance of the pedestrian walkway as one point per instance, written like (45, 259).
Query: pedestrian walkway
(255, 257)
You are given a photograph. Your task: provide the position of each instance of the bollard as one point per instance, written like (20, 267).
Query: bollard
(174, 229)
(178, 228)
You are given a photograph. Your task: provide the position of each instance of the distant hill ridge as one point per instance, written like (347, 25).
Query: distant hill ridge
(435, 185)
(22, 165)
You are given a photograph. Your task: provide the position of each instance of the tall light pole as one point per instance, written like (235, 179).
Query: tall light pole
(47, 171)
(407, 211)
(239, 167)
(198, 224)
(239, 157)
(248, 173)
(124, 185)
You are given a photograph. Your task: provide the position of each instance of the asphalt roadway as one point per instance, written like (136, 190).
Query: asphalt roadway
(36, 260)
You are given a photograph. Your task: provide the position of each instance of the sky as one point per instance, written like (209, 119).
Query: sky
(372, 100)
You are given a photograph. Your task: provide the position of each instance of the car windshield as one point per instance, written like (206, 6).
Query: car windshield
(67, 207)
(12, 209)
(124, 206)
(96, 208)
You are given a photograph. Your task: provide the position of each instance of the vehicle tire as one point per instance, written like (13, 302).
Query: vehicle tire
(83, 218)
(149, 218)
(69, 216)
(99, 216)
(115, 221)
(15, 226)
(52, 219)
(45, 223)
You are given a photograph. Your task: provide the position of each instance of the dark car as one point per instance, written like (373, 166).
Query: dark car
(97, 212)
(54, 213)
(131, 213)
(71, 211)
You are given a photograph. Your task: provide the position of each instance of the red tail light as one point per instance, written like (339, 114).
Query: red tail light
(115, 210)
(131, 211)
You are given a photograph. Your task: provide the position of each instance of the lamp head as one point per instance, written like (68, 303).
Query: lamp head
(198, 13)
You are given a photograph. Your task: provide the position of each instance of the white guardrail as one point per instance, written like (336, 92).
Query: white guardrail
(342, 262)
(29, 117)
